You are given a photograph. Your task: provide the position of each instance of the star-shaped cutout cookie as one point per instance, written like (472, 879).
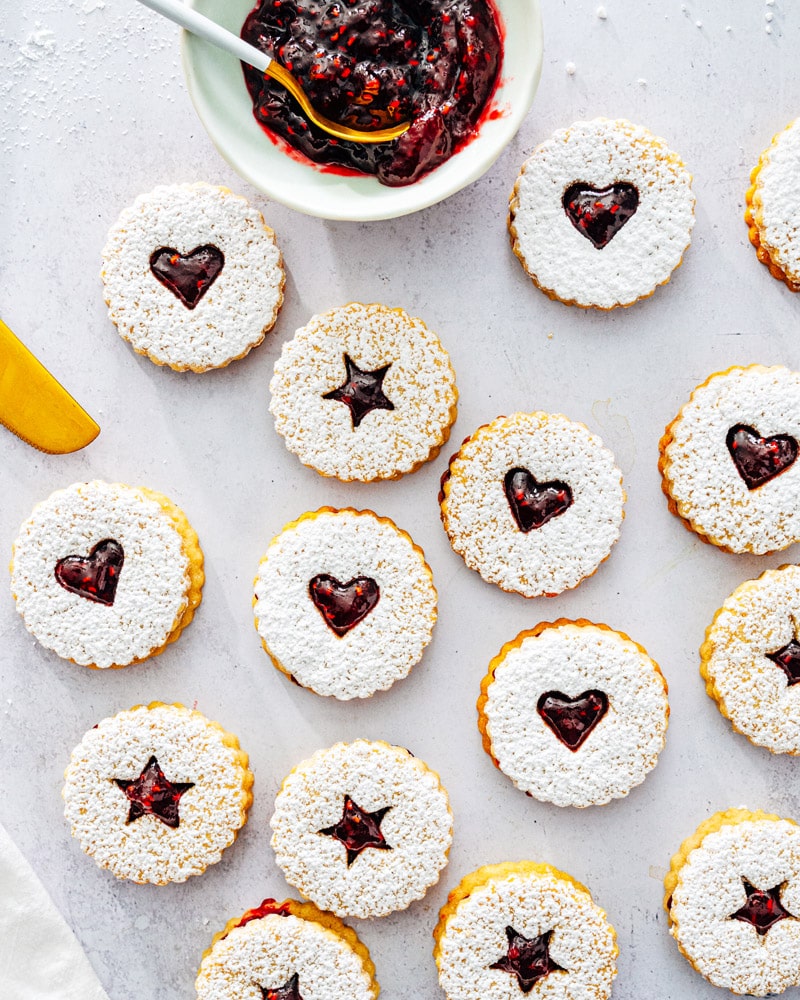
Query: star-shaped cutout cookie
(289, 990)
(152, 794)
(527, 958)
(361, 391)
(763, 907)
(358, 829)
(788, 659)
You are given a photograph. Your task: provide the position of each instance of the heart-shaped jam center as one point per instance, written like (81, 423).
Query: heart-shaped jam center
(572, 719)
(532, 503)
(187, 275)
(600, 214)
(343, 605)
(95, 576)
(759, 459)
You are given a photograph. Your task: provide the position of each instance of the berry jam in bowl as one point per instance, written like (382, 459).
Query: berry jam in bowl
(464, 72)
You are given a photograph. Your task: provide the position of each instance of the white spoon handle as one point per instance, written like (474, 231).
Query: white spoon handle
(212, 32)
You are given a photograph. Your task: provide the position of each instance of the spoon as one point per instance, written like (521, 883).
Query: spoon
(214, 33)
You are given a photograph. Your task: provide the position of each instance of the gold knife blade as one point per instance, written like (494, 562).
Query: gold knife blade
(34, 406)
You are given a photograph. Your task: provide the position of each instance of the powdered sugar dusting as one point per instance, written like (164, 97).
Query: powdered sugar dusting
(236, 311)
(730, 953)
(760, 617)
(533, 900)
(560, 553)
(382, 647)
(418, 826)
(643, 253)
(777, 201)
(154, 582)
(188, 748)
(701, 476)
(420, 383)
(572, 658)
(267, 952)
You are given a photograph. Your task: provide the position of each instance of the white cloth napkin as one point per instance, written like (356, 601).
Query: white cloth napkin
(40, 958)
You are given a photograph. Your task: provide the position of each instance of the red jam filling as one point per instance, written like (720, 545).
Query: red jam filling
(343, 605)
(527, 958)
(151, 794)
(289, 991)
(600, 214)
(759, 459)
(572, 719)
(762, 909)
(265, 909)
(788, 659)
(358, 829)
(190, 275)
(534, 504)
(95, 576)
(362, 391)
(375, 63)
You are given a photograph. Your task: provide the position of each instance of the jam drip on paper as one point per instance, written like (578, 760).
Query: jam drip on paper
(788, 659)
(572, 719)
(358, 829)
(600, 214)
(289, 991)
(763, 908)
(527, 958)
(151, 794)
(532, 503)
(759, 459)
(372, 64)
(188, 276)
(343, 605)
(362, 391)
(95, 576)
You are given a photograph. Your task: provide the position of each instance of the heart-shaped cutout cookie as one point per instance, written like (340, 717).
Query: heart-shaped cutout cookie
(343, 605)
(759, 459)
(187, 275)
(95, 576)
(532, 503)
(599, 214)
(572, 719)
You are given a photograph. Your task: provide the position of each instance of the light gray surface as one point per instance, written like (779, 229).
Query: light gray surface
(97, 113)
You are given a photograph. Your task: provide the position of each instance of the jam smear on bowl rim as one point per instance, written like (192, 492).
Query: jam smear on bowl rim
(372, 64)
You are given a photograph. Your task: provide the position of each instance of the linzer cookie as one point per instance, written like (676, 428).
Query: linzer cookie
(193, 276)
(574, 713)
(155, 794)
(514, 928)
(773, 207)
(362, 828)
(344, 602)
(533, 502)
(286, 951)
(106, 574)
(750, 659)
(601, 214)
(728, 460)
(364, 392)
(732, 895)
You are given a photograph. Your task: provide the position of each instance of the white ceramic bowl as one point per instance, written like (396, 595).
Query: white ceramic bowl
(217, 88)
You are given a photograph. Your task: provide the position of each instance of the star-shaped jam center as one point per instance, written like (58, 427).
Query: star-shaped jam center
(527, 958)
(763, 907)
(152, 794)
(289, 991)
(788, 659)
(361, 391)
(358, 829)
